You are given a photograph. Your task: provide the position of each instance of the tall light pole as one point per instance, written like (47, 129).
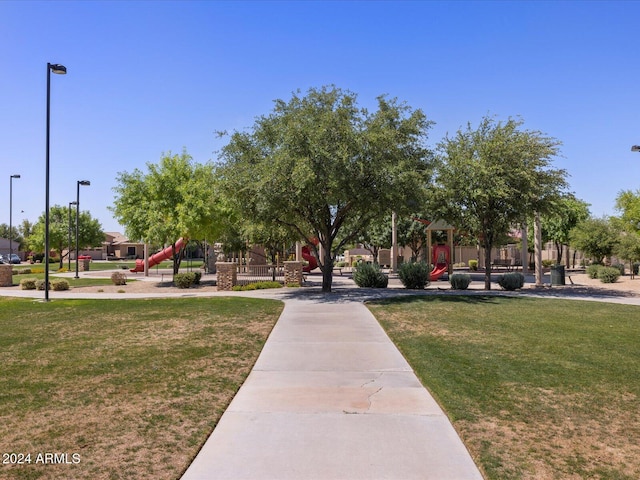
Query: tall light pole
(61, 70)
(69, 231)
(10, 214)
(84, 183)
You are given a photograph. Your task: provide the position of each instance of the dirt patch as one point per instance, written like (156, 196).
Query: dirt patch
(583, 285)
(142, 286)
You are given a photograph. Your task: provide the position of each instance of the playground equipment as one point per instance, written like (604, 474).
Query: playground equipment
(441, 259)
(156, 258)
(313, 261)
(441, 254)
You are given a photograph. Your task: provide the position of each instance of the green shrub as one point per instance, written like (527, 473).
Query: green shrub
(511, 281)
(548, 263)
(414, 276)
(293, 285)
(40, 284)
(592, 270)
(460, 281)
(60, 284)
(197, 277)
(28, 284)
(119, 278)
(342, 264)
(473, 265)
(367, 275)
(608, 274)
(25, 271)
(256, 286)
(184, 280)
(620, 267)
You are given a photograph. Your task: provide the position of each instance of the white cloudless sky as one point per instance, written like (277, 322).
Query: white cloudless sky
(147, 77)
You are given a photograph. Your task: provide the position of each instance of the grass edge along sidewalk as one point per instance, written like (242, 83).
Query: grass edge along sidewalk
(121, 388)
(536, 388)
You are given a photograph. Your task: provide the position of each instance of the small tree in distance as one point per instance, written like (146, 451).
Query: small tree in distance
(595, 237)
(90, 232)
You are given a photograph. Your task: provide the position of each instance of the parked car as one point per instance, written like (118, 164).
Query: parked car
(12, 258)
(2, 261)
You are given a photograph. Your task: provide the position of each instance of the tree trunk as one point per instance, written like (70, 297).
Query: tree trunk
(327, 268)
(559, 253)
(487, 266)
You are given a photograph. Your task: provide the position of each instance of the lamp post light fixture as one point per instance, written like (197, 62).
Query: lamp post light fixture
(60, 70)
(10, 215)
(83, 183)
(69, 231)
(635, 148)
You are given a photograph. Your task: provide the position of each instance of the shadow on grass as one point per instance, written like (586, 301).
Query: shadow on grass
(456, 297)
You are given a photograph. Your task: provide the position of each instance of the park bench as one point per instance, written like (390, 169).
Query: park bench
(502, 263)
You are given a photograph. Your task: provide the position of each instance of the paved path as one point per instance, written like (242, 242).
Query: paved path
(331, 397)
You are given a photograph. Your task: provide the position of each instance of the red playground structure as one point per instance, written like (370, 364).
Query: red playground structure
(440, 259)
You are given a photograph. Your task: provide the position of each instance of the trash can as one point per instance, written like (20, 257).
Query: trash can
(557, 275)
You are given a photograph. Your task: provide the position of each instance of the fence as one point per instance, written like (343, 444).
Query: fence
(246, 274)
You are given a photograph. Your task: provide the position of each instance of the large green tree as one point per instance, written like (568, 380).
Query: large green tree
(325, 168)
(174, 199)
(90, 232)
(492, 177)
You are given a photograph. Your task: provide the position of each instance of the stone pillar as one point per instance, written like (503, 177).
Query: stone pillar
(6, 275)
(84, 265)
(293, 273)
(226, 275)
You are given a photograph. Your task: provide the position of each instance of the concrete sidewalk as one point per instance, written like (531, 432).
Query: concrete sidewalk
(331, 397)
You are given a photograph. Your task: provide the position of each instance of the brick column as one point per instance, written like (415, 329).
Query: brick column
(84, 265)
(293, 273)
(226, 275)
(6, 275)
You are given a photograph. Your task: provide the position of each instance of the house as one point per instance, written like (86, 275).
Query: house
(117, 245)
(6, 247)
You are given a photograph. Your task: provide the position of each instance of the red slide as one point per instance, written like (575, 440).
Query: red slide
(158, 257)
(313, 261)
(441, 261)
(439, 270)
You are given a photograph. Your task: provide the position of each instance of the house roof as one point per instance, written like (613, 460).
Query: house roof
(116, 238)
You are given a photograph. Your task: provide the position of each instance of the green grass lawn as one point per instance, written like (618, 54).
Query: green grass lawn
(537, 388)
(132, 388)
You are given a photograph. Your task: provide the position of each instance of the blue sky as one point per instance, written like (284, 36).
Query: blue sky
(156, 76)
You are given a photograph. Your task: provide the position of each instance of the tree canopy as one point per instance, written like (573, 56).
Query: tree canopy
(628, 204)
(595, 237)
(557, 224)
(325, 168)
(90, 232)
(490, 178)
(174, 199)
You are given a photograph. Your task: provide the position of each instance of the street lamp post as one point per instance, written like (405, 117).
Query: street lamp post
(84, 183)
(635, 148)
(61, 70)
(10, 215)
(69, 231)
